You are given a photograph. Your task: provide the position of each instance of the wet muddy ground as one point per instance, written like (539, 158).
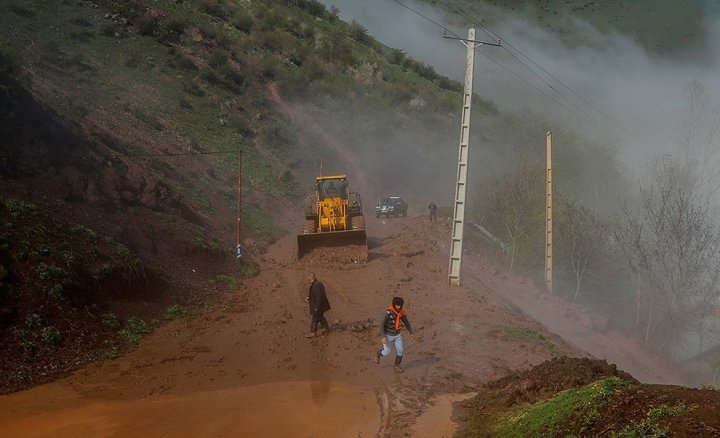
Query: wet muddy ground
(243, 367)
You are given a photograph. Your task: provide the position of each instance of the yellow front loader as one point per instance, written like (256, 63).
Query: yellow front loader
(333, 218)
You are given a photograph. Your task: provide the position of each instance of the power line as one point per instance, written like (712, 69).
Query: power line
(459, 11)
(422, 15)
(463, 14)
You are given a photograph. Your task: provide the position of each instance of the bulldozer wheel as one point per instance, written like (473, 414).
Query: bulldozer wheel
(308, 227)
(357, 223)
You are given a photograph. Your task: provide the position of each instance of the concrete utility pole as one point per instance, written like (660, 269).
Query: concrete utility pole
(548, 214)
(460, 187)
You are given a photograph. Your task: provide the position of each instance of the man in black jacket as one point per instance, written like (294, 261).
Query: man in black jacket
(319, 304)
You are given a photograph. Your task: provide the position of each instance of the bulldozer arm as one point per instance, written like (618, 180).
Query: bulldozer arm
(351, 240)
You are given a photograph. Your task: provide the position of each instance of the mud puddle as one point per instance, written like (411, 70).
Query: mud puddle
(298, 409)
(436, 421)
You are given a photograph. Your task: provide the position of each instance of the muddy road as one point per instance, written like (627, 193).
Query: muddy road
(243, 367)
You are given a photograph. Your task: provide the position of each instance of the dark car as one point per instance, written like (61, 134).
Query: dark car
(392, 206)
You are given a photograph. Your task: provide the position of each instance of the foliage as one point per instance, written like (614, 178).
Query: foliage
(542, 419)
(52, 336)
(530, 335)
(227, 280)
(649, 426)
(134, 329)
(111, 320)
(512, 210)
(177, 311)
(583, 245)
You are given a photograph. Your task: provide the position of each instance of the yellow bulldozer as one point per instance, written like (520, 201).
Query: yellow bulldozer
(333, 218)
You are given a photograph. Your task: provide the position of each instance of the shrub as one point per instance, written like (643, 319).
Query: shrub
(51, 272)
(358, 32)
(176, 311)
(33, 321)
(110, 320)
(52, 336)
(218, 58)
(134, 329)
(212, 7)
(176, 26)
(242, 21)
(146, 25)
(19, 209)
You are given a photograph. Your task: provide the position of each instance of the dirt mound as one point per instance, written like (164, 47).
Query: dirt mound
(553, 376)
(551, 393)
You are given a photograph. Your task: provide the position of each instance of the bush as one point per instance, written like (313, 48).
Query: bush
(176, 311)
(33, 321)
(146, 25)
(134, 329)
(358, 32)
(110, 320)
(212, 7)
(242, 21)
(52, 336)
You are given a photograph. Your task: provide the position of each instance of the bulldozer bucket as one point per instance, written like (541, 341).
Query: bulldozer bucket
(356, 240)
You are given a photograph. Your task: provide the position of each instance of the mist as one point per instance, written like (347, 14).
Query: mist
(636, 98)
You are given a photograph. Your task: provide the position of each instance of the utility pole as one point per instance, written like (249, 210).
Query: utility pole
(548, 213)
(238, 246)
(456, 242)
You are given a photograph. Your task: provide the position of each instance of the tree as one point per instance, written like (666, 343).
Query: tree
(699, 138)
(513, 209)
(673, 244)
(582, 243)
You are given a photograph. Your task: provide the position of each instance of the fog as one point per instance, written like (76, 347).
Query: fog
(629, 97)
(635, 99)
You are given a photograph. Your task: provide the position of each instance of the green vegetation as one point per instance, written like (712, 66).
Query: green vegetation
(176, 311)
(134, 329)
(546, 418)
(649, 426)
(111, 320)
(529, 335)
(227, 280)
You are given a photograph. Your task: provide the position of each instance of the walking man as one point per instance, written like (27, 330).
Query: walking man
(319, 304)
(391, 325)
(432, 208)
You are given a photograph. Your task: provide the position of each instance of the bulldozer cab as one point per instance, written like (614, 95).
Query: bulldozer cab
(332, 188)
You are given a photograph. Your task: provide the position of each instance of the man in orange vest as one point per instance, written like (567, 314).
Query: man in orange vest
(391, 325)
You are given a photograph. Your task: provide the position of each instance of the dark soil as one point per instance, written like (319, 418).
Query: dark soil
(628, 406)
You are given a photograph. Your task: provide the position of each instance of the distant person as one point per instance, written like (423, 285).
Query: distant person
(432, 208)
(391, 325)
(319, 304)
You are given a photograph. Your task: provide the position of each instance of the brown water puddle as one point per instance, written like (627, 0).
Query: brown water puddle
(297, 409)
(436, 421)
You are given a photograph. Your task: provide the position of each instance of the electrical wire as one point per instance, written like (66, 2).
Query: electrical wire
(463, 13)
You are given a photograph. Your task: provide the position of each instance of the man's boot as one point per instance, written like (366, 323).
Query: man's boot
(398, 360)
